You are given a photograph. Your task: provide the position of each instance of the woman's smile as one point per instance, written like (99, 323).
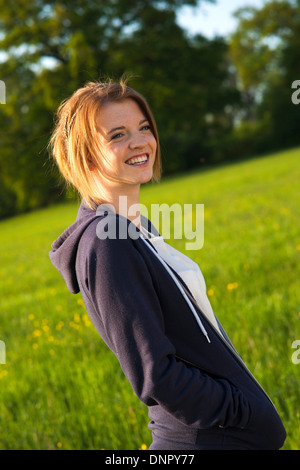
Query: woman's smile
(138, 160)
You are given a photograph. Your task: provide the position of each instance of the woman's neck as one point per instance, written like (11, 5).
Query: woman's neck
(125, 203)
(129, 207)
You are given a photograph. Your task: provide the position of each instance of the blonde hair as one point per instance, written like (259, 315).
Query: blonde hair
(73, 143)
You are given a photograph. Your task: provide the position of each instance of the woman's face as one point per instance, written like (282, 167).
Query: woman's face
(127, 143)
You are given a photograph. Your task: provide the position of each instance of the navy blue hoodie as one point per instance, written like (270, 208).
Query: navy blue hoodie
(189, 384)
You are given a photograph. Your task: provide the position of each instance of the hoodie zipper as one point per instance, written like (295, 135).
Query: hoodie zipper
(190, 299)
(180, 287)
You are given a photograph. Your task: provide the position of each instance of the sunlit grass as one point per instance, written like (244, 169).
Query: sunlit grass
(61, 388)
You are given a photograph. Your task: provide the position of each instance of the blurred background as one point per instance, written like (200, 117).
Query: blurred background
(219, 85)
(223, 80)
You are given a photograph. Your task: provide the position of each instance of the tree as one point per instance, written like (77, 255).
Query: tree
(188, 83)
(53, 47)
(265, 51)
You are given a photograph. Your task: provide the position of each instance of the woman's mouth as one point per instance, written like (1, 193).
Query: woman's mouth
(138, 160)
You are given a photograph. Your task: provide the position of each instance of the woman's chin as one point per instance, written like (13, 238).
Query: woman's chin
(146, 177)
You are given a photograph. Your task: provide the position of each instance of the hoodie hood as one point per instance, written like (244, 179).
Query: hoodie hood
(64, 248)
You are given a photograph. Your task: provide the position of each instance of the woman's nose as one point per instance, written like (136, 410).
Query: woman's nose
(137, 141)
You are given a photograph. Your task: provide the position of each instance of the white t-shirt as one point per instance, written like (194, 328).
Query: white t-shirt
(188, 270)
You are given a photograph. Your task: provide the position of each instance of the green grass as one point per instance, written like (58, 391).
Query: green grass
(61, 388)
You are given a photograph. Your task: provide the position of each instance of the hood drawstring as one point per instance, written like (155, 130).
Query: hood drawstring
(180, 288)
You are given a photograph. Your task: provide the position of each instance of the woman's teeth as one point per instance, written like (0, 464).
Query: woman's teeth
(137, 160)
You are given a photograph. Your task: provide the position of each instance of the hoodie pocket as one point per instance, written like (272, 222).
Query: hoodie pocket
(264, 427)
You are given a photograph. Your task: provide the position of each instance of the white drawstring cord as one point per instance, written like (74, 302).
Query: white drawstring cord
(180, 288)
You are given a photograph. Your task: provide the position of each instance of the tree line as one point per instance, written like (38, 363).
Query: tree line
(214, 99)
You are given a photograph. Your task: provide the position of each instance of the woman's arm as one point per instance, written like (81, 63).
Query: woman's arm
(131, 319)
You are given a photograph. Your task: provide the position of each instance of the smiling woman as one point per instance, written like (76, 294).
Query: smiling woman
(128, 151)
(118, 126)
(147, 300)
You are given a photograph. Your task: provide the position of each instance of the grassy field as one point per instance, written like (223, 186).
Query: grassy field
(62, 389)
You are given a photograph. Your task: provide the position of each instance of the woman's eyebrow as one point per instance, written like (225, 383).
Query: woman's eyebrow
(123, 127)
(116, 129)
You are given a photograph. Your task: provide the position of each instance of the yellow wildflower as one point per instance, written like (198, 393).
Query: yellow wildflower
(232, 285)
(77, 318)
(36, 333)
(86, 320)
(74, 325)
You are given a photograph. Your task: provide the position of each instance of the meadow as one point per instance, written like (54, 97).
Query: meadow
(61, 388)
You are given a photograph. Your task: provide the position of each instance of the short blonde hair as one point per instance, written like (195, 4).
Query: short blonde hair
(73, 143)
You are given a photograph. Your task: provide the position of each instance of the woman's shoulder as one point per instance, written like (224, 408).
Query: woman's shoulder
(109, 235)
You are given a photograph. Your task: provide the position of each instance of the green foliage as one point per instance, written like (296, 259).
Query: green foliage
(265, 51)
(61, 388)
(52, 48)
(213, 99)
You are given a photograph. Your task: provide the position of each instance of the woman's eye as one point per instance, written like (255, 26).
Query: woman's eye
(116, 136)
(120, 134)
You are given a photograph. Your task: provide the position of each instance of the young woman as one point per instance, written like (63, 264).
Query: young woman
(147, 300)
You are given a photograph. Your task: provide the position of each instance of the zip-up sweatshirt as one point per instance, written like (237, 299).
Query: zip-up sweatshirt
(188, 374)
